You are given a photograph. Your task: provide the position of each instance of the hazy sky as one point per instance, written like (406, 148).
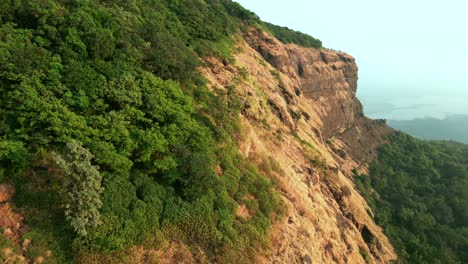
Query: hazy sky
(405, 49)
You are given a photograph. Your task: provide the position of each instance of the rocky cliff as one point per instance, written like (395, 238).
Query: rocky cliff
(301, 116)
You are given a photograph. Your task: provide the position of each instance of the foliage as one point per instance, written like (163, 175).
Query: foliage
(288, 35)
(120, 77)
(9, 251)
(365, 256)
(82, 187)
(418, 192)
(13, 157)
(236, 10)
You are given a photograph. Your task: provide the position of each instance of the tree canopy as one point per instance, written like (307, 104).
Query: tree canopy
(114, 87)
(418, 191)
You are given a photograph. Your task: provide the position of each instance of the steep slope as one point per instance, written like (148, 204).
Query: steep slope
(300, 111)
(178, 131)
(111, 138)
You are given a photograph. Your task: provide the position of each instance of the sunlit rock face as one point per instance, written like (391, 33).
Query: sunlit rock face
(300, 112)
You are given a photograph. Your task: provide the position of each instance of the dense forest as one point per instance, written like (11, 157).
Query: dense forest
(112, 138)
(418, 191)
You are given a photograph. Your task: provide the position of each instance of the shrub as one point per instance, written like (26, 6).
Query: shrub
(287, 35)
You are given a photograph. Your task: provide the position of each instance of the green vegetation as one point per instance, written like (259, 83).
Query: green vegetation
(311, 153)
(288, 35)
(106, 122)
(147, 151)
(83, 187)
(284, 34)
(418, 191)
(9, 251)
(365, 256)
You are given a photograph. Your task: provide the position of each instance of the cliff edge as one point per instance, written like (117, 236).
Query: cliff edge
(302, 118)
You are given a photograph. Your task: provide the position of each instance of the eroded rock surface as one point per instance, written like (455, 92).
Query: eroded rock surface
(301, 110)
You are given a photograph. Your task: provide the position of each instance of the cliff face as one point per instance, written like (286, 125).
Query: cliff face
(301, 113)
(328, 78)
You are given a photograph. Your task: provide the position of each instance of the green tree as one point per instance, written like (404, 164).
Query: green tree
(82, 186)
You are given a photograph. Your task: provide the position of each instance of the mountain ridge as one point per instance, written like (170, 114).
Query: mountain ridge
(190, 131)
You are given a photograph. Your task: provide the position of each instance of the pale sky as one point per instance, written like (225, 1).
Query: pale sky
(404, 48)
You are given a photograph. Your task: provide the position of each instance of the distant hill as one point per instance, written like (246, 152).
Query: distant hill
(453, 127)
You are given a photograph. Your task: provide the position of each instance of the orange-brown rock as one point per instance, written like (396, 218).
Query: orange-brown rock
(301, 110)
(10, 220)
(6, 192)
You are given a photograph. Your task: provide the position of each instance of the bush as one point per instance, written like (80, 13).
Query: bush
(13, 158)
(287, 35)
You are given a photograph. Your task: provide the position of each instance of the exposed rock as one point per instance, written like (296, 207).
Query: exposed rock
(39, 260)
(175, 252)
(315, 104)
(329, 79)
(7, 255)
(10, 220)
(7, 232)
(6, 192)
(25, 244)
(243, 212)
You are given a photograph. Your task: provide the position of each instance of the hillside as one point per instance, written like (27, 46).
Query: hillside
(418, 192)
(180, 132)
